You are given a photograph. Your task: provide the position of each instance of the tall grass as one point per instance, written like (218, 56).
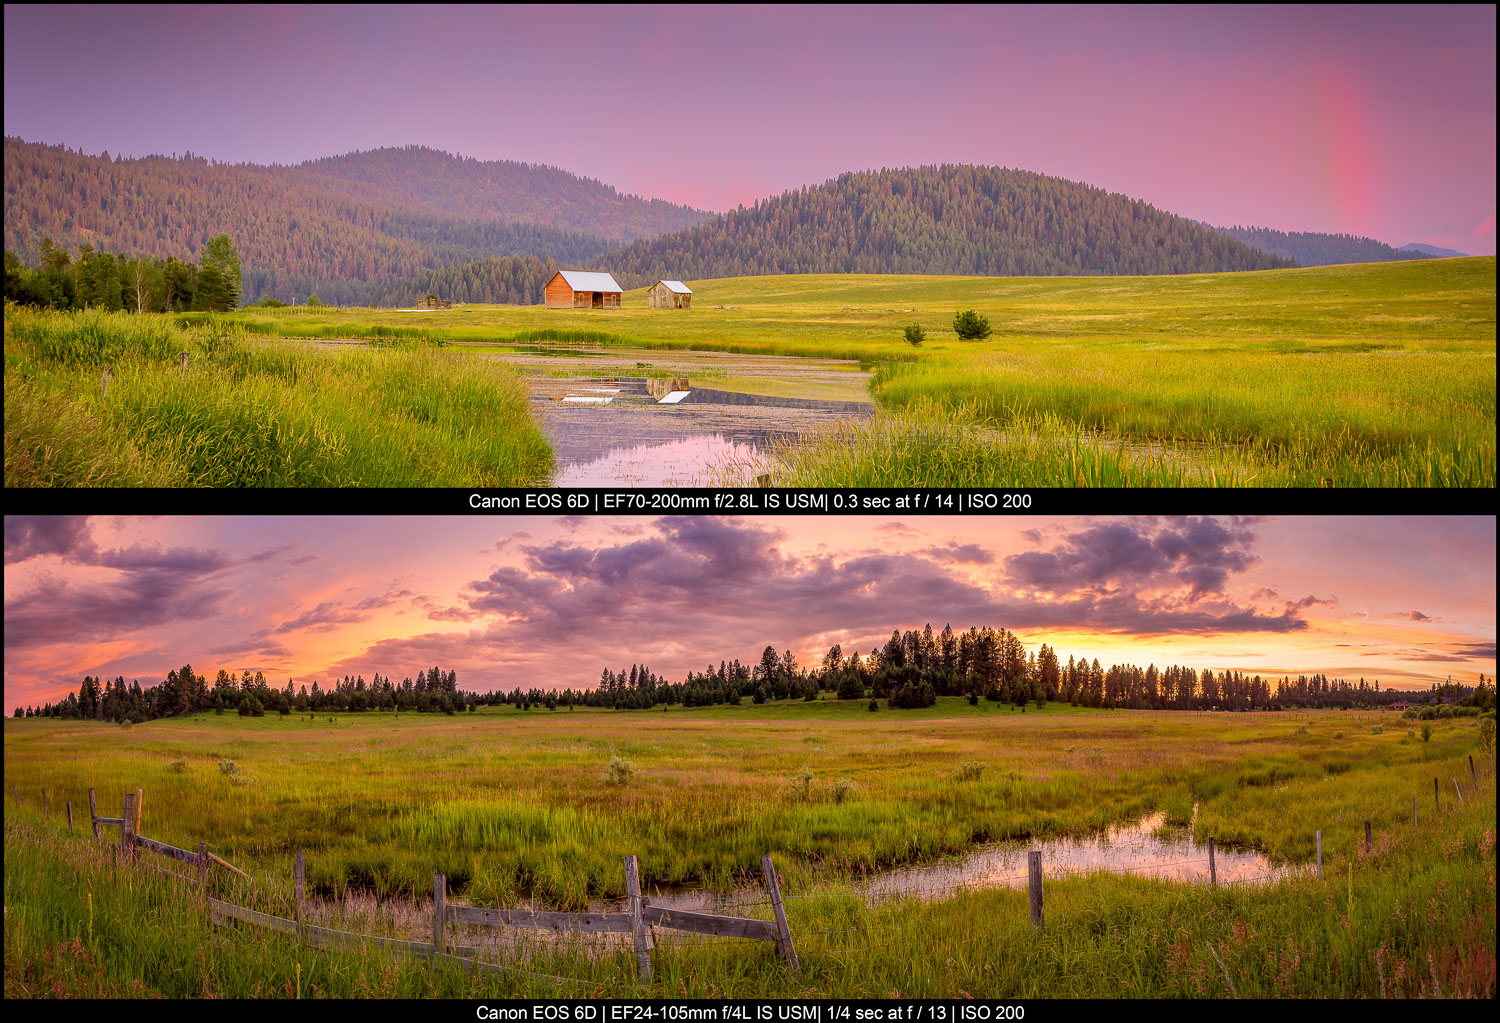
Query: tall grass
(933, 446)
(251, 412)
(1412, 917)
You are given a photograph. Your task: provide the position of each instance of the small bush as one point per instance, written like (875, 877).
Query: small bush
(1445, 712)
(970, 326)
(874, 705)
(842, 789)
(1377, 729)
(970, 770)
(619, 772)
(1426, 733)
(229, 768)
(1487, 734)
(178, 767)
(914, 335)
(1302, 729)
(800, 786)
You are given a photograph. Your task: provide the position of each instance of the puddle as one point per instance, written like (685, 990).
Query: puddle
(1135, 849)
(691, 461)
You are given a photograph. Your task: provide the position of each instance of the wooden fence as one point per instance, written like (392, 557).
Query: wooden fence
(638, 922)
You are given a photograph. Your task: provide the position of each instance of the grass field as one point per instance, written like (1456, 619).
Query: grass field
(507, 802)
(252, 412)
(1365, 375)
(1373, 375)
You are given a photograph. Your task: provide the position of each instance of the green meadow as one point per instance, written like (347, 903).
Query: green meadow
(249, 411)
(514, 805)
(1369, 375)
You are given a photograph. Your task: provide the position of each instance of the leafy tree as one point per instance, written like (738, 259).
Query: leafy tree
(914, 335)
(970, 326)
(219, 281)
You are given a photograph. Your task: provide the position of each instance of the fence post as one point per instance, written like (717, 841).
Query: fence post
(1320, 854)
(94, 813)
(1213, 868)
(1459, 791)
(439, 911)
(637, 925)
(70, 816)
(1367, 836)
(202, 871)
(1034, 882)
(1435, 804)
(126, 819)
(1413, 811)
(1472, 776)
(140, 797)
(783, 931)
(300, 876)
(46, 810)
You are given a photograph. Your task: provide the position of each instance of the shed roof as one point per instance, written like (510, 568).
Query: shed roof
(677, 286)
(589, 280)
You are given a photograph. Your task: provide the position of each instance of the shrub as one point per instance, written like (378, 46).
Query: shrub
(973, 699)
(842, 789)
(970, 326)
(1487, 734)
(1426, 733)
(228, 767)
(914, 335)
(851, 688)
(970, 770)
(1445, 712)
(800, 786)
(178, 767)
(1377, 729)
(874, 704)
(619, 772)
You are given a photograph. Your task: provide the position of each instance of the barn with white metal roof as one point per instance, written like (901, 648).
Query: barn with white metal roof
(582, 289)
(670, 295)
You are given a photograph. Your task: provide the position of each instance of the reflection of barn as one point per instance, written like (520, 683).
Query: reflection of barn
(582, 289)
(670, 295)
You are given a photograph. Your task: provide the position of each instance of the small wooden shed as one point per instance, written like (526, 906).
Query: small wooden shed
(670, 295)
(582, 289)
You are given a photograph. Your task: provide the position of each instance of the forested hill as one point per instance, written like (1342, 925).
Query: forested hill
(323, 228)
(1309, 248)
(987, 221)
(431, 181)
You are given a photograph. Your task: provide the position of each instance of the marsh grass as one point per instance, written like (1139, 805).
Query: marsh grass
(1414, 917)
(251, 412)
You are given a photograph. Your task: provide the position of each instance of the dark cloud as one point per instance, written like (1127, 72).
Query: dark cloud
(1483, 651)
(1417, 616)
(1310, 601)
(154, 586)
(32, 536)
(1199, 553)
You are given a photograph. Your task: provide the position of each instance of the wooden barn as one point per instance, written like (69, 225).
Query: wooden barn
(582, 289)
(670, 295)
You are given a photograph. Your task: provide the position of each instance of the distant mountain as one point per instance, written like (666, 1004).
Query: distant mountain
(1432, 250)
(341, 227)
(1308, 248)
(952, 219)
(430, 181)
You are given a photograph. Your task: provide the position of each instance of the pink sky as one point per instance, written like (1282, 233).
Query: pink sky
(1376, 120)
(552, 601)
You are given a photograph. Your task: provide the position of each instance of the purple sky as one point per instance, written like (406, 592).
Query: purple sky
(551, 602)
(1377, 121)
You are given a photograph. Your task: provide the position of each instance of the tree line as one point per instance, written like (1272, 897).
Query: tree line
(140, 284)
(1310, 248)
(911, 669)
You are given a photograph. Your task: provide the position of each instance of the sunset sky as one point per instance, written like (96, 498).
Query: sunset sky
(1375, 120)
(553, 601)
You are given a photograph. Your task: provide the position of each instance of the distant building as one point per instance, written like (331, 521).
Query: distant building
(1399, 705)
(670, 295)
(433, 302)
(582, 289)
